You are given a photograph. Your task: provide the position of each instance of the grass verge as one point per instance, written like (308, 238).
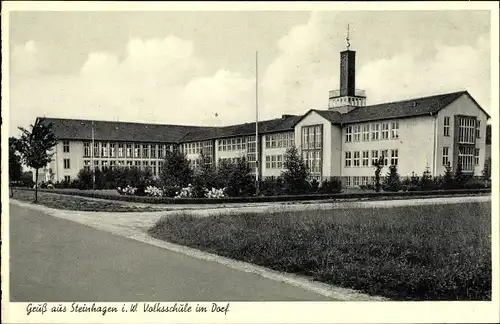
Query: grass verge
(440, 252)
(68, 202)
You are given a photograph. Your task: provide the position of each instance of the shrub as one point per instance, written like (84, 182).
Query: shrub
(448, 180)
(271, 186)
(176, 170)
(329, 186)
(153, 191)
(391, 181)
(460, 179)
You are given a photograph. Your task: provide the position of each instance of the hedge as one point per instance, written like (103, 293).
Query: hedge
(357, 195)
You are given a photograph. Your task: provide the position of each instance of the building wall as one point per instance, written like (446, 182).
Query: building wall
(315, 119)
(273, 151)
(414, 144)
(462, 106)
(336, 151)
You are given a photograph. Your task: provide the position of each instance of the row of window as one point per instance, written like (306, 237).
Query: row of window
(373, 132)
(312, 137)
(468, 157)
(237, 144)
(129, 150)
(280, 140)
(362, 158)
(359, 181)
(469, 128)
(198, 147)
(113, 164)
(274, 161)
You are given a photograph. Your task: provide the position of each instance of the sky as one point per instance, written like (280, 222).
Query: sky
(186, 67)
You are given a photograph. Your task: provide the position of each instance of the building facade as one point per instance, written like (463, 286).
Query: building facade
(341, 141)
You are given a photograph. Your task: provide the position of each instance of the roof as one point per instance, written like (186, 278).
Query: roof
(286, 123)
(406, 108)
(118, 131)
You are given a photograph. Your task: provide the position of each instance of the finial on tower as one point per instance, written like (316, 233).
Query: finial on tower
(347, 38)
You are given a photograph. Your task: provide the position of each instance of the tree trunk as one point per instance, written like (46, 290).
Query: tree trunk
(36, 185)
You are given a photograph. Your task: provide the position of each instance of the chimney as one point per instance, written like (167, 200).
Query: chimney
(285, 116)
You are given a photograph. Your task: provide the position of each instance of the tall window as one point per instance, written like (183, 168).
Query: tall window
(466, 158)
(356, 159)
(160, 165)
(67, 178)
(385, 155)
(446, 129)
(348, 181)
(394, 157)
(385, 131)
(120, 150)
(96, 149)
(86, 149)
(66, 146)
(112, 150)
(374, 156)
(66, 163)
(466, 130)
(153, 168)
(273, 161)
(96, 165)
(366, 132)
(446, 156)
(104, 149)
(395, 129)
(476, 156)
(312, 149)
(268, 161)
(145, 151)
(279, 161)
(478, 128)
(375, 131)
(161, 151)
(129, 150)
(364, 181)
(355, 181)
(112, 164)
(348, 134)
(357, 133)
(348, 159)
(366, 158)
(137, 151)
(86, 165)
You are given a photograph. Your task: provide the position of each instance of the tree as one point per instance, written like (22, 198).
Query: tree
(392, 181)
(296, 172)
(459, 176)
(34, 146)
(426, 182)
(15, 166)
(378, 165)
(176, 170)
(206, 173)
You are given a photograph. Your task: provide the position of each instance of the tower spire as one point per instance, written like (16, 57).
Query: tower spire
(347, 38)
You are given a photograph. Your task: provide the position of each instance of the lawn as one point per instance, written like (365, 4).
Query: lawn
(440, 252)
(68, 202)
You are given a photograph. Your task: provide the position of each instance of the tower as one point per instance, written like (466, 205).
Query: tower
(347, 97)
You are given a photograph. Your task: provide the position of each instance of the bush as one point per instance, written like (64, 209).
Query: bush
(296, 173)
(391, 181)
(271, 186)
(330, 186)
(176, 170)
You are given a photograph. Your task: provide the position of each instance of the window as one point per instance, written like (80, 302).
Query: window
(273, 161)
(120, 150)
(161, 151)
(375, 131)
(129, 150)
(104, 149)
(357, 133)
(86, 165)
(86, 149)
(347, 181)
(348, 160)
(67, 178)
(364, 181)
(374, 156)
(366, 132)
(153, 168)
(160, 165)
(96, 165)
(154, 149)
(145, 151)
(446, 153)
(66, 146)
(395, 130)
(394, 157)
(318, 138)
(356, 159)
(112, 164)
(312, 148)
(446, 130)
(366, 158)
(129, 163)
(385, 131)
(268, 141)
(476, 156)
(268, 162)
(466, 130)
(104, 164)
(466, 158)
(137, 151)
(66, 163)
(112, 150)
(137, 164)
(355, 181)
(96, 149)
(348, 134)
(280, 161)
(121, 164)
(478, 128)
(385, 155)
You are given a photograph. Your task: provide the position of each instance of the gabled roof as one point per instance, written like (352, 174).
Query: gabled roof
(118, 131)
(392, 110)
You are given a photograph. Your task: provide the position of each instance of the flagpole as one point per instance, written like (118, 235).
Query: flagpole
(93, 164)
(256, 123)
